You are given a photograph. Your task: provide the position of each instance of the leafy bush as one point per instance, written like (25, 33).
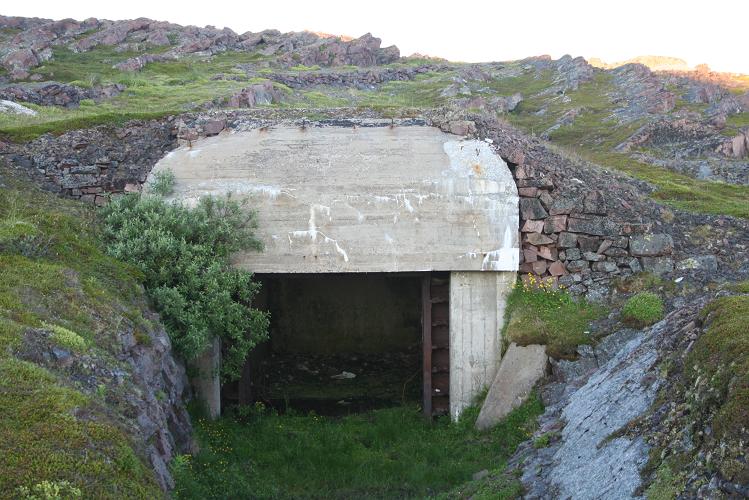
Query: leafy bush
(184, 255)
(642, 309)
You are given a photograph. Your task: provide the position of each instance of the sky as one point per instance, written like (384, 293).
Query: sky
(699, 32)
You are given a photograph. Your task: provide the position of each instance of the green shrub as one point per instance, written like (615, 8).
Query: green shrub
(66, 338)
(184, 255)
(49, 490)
(642, 309)
(162, 183)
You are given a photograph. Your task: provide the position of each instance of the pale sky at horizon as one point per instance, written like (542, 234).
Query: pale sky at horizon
(697, 32)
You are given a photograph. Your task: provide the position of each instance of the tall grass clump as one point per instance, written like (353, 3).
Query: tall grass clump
(538, 312)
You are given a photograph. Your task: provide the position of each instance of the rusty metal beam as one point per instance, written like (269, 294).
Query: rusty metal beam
(426, 327)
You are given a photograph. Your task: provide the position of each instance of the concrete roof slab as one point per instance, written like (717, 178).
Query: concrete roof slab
(360, 199)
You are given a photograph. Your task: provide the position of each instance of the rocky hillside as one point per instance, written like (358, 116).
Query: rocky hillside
(680, 130)
(28, 43)
(91, 398)
(620, 170)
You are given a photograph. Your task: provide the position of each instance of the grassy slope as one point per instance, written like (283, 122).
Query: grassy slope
(721, 356)
(392, 453)
(707, 427)
(159, 89)
(56, 283)
(593, 135)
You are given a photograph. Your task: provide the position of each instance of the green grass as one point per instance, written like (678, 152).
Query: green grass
(642, 309)
(737, 121)
(667, 485)
(59, 122)
(390, 453)
(54, 276)
(528, 83)
(302, 67)
(541, 315)
(641, 282)
(160, 89)
(67, 66)
(740, 287)
(681, 191)
(421, 92)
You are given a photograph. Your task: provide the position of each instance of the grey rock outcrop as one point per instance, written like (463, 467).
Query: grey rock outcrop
(147, 387)
(13, 108)
(58, 94)
(588, 410)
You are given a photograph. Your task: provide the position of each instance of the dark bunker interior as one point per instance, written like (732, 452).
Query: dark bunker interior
(338, 343)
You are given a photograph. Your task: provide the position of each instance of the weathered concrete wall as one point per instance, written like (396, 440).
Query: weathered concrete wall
(477, 309)
(343, 313)
(361, 199)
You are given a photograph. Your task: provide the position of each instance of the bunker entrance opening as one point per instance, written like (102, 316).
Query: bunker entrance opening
(338, 343)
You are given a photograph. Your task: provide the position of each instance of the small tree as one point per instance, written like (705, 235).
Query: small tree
(184, 255)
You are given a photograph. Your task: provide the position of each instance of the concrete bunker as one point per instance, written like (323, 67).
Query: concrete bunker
(358, 205)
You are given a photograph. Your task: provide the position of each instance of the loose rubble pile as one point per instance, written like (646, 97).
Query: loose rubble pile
(357, 78)
(88, 164)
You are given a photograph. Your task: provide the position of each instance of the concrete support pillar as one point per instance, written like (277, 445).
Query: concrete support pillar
(207, 380)
(477, 309)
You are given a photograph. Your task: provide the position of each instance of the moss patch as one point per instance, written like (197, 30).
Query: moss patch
(66, 338)
(51, 431)
(642, 309)
(719, 374)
